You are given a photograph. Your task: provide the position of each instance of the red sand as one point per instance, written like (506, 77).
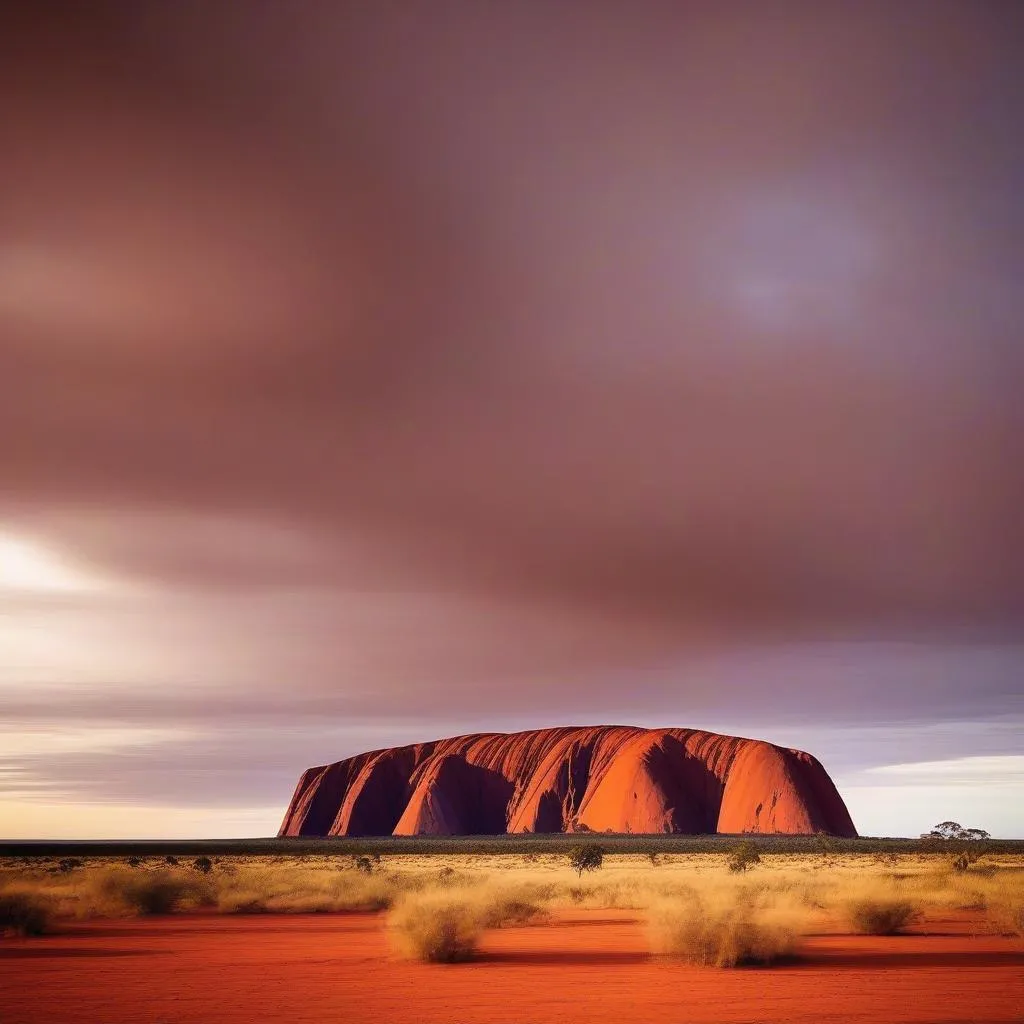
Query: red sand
(584, 966)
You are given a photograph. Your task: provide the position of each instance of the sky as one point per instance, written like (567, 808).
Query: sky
(371, 373)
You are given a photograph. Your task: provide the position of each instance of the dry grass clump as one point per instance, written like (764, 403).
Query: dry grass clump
(1015, 916)
(296, 890)
(881, 916)
(438, 927)
(157, 892)
(23, 912)
(241, 902)
(1007, 917)
(443, 925)
(725, 929)
(504, 910)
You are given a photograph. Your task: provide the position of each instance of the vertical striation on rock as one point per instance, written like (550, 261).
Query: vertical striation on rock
(571, 779)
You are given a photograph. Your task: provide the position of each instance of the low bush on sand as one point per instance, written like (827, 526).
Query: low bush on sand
(743, 858)
(158, 892)
(881, 916)
(732, 930)
(23, 913)
(437, 927)
(504, 910)
(585, 857)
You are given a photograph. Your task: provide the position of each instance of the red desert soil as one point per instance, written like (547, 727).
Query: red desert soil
(581, 967)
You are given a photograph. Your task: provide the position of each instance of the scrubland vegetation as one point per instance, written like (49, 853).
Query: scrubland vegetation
(438, 908)
(23, 912)
(437, 926)
(881, 916)
(727, 926)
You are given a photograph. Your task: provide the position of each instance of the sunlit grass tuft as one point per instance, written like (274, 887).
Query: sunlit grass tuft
(437, 927)
(726, 928)
(156, 892)
(881, 916)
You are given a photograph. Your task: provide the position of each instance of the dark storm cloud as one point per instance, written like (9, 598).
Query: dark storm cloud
(428, 368)
(698, 316)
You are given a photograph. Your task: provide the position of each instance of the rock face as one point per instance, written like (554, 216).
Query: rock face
(597, 778)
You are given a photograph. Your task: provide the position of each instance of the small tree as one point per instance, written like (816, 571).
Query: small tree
(968, 844)
(743, 857)
(825, 843)
(363, 864)
(203, 864)
(585, 857)
(945, 830)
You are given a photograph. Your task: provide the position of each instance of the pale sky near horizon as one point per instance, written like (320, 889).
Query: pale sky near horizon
(370, 376)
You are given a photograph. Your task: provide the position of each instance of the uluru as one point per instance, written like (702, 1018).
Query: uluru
(571, 779)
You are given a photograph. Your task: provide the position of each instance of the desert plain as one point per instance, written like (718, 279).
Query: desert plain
(674, 937)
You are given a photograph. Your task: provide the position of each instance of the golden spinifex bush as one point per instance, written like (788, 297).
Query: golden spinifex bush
(881, 916)
(437, 926)
(722, 925)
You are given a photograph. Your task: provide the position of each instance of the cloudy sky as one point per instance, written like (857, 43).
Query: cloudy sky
(376, 372)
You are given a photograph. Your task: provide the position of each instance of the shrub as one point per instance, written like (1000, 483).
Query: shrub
(203, 864)
(134, 862)
(881, 917)
(743, 857)
(242, 903)
(585, 857)
(436, 927)
(68, 864)
(172, 860)
(23, 913)
(158, 893)
(1009, 917)
(968, 853)
(505, 911)
(735, 934)
(363, 864)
